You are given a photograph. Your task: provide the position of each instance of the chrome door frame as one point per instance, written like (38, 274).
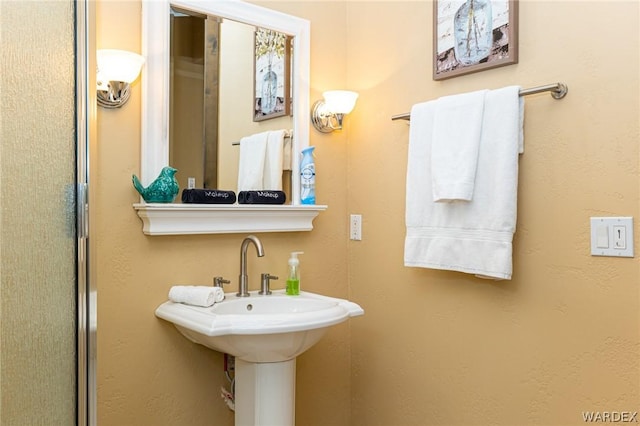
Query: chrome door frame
(86, 289)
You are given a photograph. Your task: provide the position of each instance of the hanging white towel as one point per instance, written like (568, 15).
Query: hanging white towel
(476, 236)
(456, 142)
(253, 151)
(272, 177)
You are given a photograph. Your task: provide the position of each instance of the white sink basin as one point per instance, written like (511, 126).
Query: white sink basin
(271, 328)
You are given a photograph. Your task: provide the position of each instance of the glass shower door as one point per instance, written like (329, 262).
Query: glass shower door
(38, 245)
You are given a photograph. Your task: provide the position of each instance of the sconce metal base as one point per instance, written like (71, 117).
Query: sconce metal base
(324, 121)
(116, 95)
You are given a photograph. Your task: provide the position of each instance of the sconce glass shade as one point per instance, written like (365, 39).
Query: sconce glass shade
(117, 69)
(327, 115)
(340, 101)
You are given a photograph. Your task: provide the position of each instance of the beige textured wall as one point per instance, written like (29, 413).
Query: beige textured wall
(444, 348)
(148, 374)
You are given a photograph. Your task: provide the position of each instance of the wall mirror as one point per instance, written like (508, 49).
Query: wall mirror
(227, 110)
(221, 89)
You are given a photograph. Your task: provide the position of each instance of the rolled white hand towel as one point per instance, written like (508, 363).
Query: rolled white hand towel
(196, 295)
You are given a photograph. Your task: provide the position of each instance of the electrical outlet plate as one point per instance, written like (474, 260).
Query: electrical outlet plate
(612, 236)
(229, 363)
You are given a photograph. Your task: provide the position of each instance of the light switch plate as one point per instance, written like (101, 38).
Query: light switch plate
(355, 228)
(612, 236)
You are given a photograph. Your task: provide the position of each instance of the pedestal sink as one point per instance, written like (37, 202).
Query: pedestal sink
(265, 333)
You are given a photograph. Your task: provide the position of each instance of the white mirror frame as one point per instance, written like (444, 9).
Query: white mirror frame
(155, 75)
(174, 219)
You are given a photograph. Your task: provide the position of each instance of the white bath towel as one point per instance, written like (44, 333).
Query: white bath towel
(273, 162)
(253, 151)
(196, 295)
(456, 142)
(476, 236)
(286, 156)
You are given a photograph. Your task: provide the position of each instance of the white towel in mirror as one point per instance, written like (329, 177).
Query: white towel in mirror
(286, 155)
(272, 177)
(261, 161)
(253, 151)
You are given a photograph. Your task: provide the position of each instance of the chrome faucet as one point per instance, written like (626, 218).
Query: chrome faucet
(243, 287)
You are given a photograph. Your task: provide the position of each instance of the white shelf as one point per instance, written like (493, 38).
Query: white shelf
(186, 219)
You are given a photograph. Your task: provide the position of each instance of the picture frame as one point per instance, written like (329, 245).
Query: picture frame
(272, 74)
(463, 43)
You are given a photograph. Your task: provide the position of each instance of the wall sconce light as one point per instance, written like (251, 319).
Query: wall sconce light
(327, 115)
(117, 69)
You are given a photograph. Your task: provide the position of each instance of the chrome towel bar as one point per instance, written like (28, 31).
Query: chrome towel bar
(558, 91)
(287, 134)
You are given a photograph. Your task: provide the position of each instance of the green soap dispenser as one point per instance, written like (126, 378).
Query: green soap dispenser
(293, 277)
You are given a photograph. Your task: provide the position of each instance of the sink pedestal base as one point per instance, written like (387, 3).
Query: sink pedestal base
(265, 393)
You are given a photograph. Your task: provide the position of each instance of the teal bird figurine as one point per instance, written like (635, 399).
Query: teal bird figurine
(162, 190)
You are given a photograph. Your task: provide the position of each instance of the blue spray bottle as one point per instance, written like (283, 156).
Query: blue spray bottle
(308, 177)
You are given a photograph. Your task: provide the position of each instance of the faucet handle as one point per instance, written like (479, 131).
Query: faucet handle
(220, 282)
(264, 283)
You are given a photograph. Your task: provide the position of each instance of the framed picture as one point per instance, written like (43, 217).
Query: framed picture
(473, 35)
(272, 71)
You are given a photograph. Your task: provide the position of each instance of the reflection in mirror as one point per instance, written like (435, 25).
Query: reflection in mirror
(214, 93)
(193, 85)
(157, 96)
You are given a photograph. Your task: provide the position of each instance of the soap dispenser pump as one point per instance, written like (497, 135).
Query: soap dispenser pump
(293, 277)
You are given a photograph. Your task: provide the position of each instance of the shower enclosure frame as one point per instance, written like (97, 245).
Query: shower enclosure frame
(86, 289)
